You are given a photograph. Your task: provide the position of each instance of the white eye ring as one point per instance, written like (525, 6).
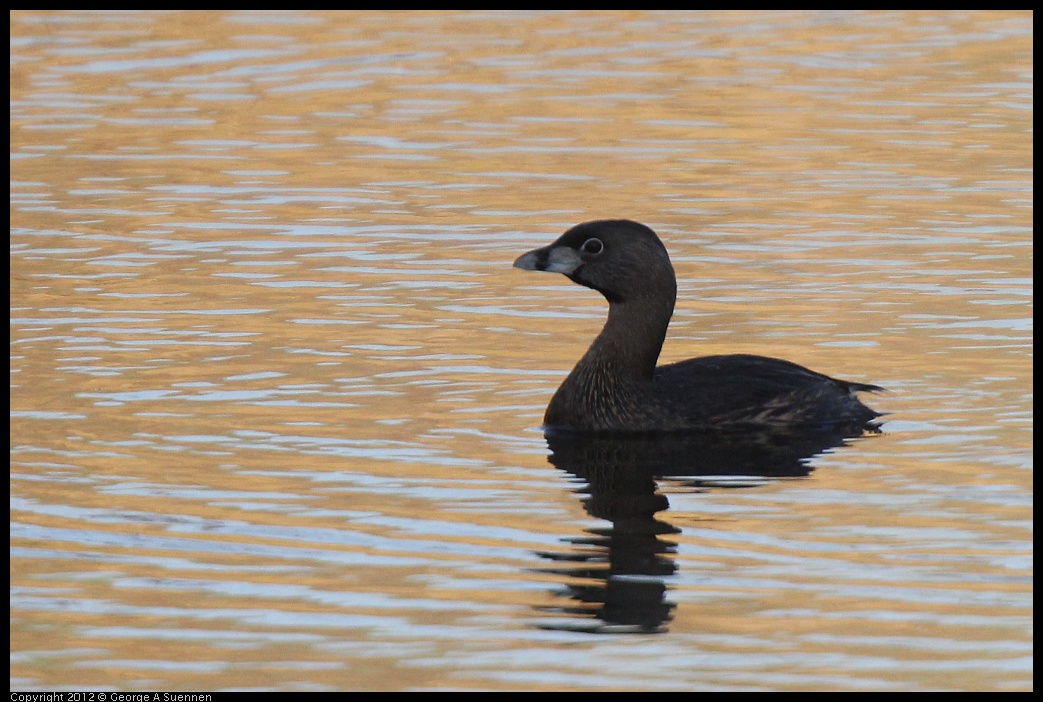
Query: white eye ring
(592, 246)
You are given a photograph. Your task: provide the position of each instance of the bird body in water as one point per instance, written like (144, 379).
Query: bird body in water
(617, 386)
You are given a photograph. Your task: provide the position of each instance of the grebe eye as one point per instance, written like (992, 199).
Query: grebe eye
(592, 246)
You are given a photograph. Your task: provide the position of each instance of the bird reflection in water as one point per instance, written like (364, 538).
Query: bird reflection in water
(616, 574)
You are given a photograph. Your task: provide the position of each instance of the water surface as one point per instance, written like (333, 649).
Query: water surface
(276, 389)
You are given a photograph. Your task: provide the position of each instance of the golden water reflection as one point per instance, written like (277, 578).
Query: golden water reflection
(275, 386)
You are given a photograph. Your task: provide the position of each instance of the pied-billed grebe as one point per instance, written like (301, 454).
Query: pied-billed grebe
(617, 387)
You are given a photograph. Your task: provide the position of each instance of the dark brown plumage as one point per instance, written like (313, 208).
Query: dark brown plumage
(617, 387)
